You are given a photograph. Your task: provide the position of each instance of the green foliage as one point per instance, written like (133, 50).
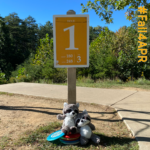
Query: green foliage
(48, 69)
(44, 59)
(28, 70)
(30, 34)
(43, 30)
(21, 71)
(40, 65)
(60, 75)
(2, 78)
(102, 58)
(127, 49)
(51, 43)
(18, 38)
(94, 32)
(34, 71)
(43, 56)
(104, 8)
(144, 65)
(2, 75)
(24, 78)
(12, 80)
(25, 49)
(44, 51)
(5, 48)
(2, 38)
(84, 79)
(80, 72)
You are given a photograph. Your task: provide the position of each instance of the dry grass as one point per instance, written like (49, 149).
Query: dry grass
(26, 121)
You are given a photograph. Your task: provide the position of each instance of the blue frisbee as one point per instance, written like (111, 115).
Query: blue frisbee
(55, 135)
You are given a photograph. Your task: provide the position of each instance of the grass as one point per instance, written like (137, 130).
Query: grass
(103, 83)
(37, 140)
(106, 83)
(4, 141)
(112, 131)
(39, 135)
(5, 93)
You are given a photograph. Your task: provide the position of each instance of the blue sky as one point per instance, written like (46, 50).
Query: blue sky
(43, 11)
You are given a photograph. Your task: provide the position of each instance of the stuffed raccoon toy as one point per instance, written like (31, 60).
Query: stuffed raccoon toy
(69, 112)
(85, 127)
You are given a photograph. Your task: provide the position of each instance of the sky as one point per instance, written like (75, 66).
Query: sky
(43, 11)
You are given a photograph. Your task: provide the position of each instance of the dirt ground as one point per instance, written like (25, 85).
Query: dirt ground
(20, 113)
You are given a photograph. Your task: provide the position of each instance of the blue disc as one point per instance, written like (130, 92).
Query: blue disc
(55, 135)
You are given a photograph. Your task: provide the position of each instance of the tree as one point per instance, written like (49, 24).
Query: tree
(43, 30)
(135, 21)
(5, 49)
(44, 51)
(102, 57)
(44, 58)
(31, 35)
(24, 40)
(104, 8)
(98, 29)
(2, 34)
(94, 32)
(126, 49)
(19, 38)
(92, 35)
(15, 54)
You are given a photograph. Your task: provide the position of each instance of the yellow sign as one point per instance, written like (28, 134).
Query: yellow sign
(71, 41)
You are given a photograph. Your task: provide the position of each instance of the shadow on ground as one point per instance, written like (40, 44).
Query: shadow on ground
(113, 142)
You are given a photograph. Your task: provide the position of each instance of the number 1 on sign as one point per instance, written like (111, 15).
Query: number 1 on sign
(71, 38)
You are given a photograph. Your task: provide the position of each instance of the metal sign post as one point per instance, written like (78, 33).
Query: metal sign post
(71, 46)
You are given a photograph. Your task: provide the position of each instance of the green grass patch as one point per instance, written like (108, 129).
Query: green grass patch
(101, 83)
(37, 136)
(5, 93)
(114, 84)
(105, 83)
(37, 139)
(4, 140)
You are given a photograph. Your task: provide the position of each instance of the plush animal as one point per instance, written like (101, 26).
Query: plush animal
(69, 112)
(85, 127)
